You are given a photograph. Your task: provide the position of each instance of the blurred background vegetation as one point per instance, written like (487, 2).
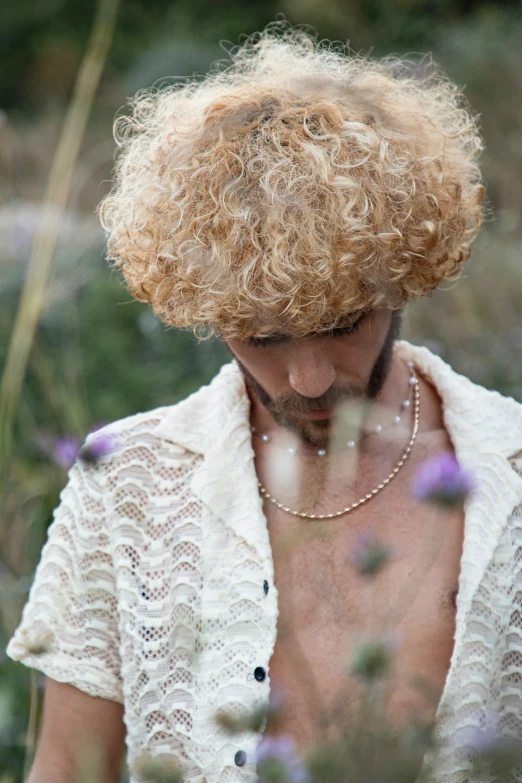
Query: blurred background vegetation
(98, 355)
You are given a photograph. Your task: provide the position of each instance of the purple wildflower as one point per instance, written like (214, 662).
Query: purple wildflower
(277, 697)
(277, 761)
(443, 481)
(492, 749)
(274, 710)
(96, 447)
(481, 740)
(369, 556)
(65, 450)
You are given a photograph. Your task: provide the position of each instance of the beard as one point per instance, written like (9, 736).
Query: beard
(317, 432)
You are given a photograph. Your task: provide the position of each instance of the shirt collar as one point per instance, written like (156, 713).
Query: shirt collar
(484, 426)
(477, 419)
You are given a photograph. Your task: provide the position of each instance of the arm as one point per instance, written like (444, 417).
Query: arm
(69, 630)
(71, 720)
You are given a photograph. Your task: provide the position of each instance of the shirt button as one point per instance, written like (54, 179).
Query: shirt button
(265, 587)
(240, 758)
(259, 673)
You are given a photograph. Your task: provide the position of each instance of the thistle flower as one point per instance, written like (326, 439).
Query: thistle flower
(96, 448)
(278, 762)
(276, 704)
(278, 694)
(255, 719)
(441, 480)
(492, 750)
(369, 556)
(158, 769)
(65, 450)
(373, 657)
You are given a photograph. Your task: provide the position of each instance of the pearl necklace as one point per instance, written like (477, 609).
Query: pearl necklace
(351, 444)
(264, 492)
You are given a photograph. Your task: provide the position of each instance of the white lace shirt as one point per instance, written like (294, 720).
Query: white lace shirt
(155, 587)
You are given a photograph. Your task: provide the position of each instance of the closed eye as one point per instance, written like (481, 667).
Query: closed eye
(345, 329)
(265, 342)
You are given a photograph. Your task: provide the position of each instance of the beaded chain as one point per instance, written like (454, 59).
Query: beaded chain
(351, 444)
(264, 492)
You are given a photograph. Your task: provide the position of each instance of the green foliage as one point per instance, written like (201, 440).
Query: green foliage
(42, 45)
(156, 364)
(14, 701)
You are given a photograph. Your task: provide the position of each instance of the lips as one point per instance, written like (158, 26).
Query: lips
(317, 415)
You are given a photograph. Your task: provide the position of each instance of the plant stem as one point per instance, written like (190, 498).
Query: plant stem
(58, 188)
(30, 740)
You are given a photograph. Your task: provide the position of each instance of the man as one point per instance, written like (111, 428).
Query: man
(292, 204)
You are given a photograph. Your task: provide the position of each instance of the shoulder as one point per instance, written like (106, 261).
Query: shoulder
(135, 438)
(474, 415)
(173, 434)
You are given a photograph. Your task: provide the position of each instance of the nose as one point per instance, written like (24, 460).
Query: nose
(311, 373)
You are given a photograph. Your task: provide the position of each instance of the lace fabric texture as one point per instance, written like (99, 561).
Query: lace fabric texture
(150, 590)
(484, 704)
(142, 596)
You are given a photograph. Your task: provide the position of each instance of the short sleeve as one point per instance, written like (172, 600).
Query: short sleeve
(69, 624)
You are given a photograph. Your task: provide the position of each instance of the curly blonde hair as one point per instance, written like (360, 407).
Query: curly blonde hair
(296, 185)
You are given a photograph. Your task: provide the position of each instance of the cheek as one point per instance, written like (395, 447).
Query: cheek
(263, 363)
(266, 367)
(370, 340)
(355, 356)
(353, 363)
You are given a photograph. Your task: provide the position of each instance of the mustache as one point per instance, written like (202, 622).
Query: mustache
(295, 403)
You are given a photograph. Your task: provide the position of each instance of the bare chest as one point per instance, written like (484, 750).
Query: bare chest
(327, 607)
